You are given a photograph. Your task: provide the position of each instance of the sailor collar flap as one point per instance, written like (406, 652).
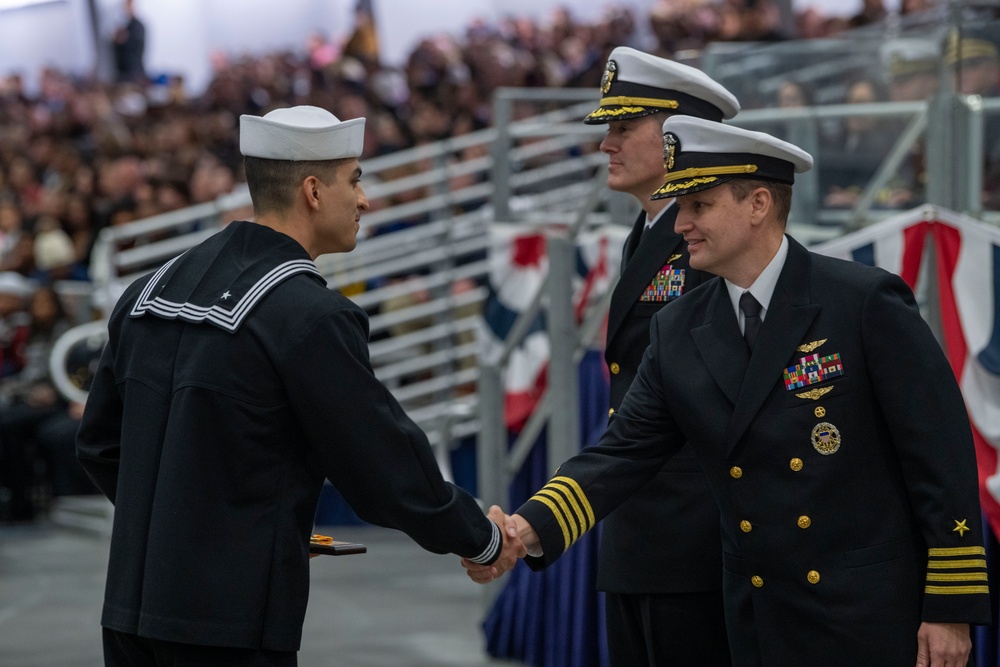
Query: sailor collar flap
(220, 281)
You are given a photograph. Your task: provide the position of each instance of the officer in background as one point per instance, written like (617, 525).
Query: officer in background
(912, 68)
(663, 585)
(826, 416)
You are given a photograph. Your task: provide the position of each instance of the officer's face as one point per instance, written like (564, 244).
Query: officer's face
(635, 155)
(343, 200)
(718, 230)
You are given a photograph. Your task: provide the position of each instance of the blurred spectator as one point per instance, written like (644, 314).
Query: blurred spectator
(363, 42)
(54, 254)
(129, 47)
(16, 243)
(794, 94)
(53, 430)
(872, 11)
(911, 67)
(16, 472)
(14, 322)
(974, 59)
(321, 51)
(37, 425)
(854, 152)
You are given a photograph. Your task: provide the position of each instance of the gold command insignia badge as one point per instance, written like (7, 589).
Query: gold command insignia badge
(609, 76)
(670, 144)
(674, 258)
(825, 438)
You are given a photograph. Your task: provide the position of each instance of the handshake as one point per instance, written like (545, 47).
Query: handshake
(519, 540)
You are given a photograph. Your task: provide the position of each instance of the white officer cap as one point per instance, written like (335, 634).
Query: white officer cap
(301, 133)
(906, 56)
(700, 154)
(637, 84)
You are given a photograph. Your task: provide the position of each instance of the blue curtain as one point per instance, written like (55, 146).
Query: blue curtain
(555, 618)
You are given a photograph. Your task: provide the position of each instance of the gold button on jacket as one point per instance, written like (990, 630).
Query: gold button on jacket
(813, 577)
(795, 464)
(804, 521)
(756, 581)
(615, 368)
(745, 526)
(736, 472)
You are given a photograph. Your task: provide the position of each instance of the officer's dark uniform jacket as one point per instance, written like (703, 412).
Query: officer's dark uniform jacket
(849, 499)
(665, 538)
(232, 384)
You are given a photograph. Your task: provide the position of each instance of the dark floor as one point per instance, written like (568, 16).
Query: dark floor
(396, 605)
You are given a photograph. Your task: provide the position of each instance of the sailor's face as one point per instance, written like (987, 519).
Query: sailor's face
(344, 200)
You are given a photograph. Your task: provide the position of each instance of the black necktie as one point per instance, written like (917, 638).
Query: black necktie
(751, 312)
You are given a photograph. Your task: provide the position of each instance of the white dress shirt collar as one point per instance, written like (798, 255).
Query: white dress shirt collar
(762, 288)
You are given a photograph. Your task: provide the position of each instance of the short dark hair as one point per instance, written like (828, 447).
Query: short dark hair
(781, 193)
(272, 183)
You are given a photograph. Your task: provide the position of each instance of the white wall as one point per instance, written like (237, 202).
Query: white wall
(54, 34)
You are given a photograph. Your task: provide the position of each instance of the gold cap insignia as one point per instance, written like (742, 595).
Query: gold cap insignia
(670, 146)
(609, 75)
(809, 347)
(825, 438)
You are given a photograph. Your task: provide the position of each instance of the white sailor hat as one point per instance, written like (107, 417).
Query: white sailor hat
(906, 56)
(301, 133)
(700, 154)
(637, 84)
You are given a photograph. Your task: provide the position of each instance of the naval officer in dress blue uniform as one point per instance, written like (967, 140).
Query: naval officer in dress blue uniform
(663, 602)
(826, 416)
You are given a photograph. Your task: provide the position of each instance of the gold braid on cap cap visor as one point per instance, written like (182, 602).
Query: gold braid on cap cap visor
(969, 49)
(700, 176)
(630, 105)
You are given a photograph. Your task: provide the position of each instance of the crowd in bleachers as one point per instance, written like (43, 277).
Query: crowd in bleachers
(80, 154)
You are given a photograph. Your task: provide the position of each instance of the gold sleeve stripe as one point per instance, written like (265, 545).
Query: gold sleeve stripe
(957, 551)
(555, 511)
(956, 590)
(956, 576)
(572, 483)
(569, 505)
(956, 564)
(568, 500)
(567, 520)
